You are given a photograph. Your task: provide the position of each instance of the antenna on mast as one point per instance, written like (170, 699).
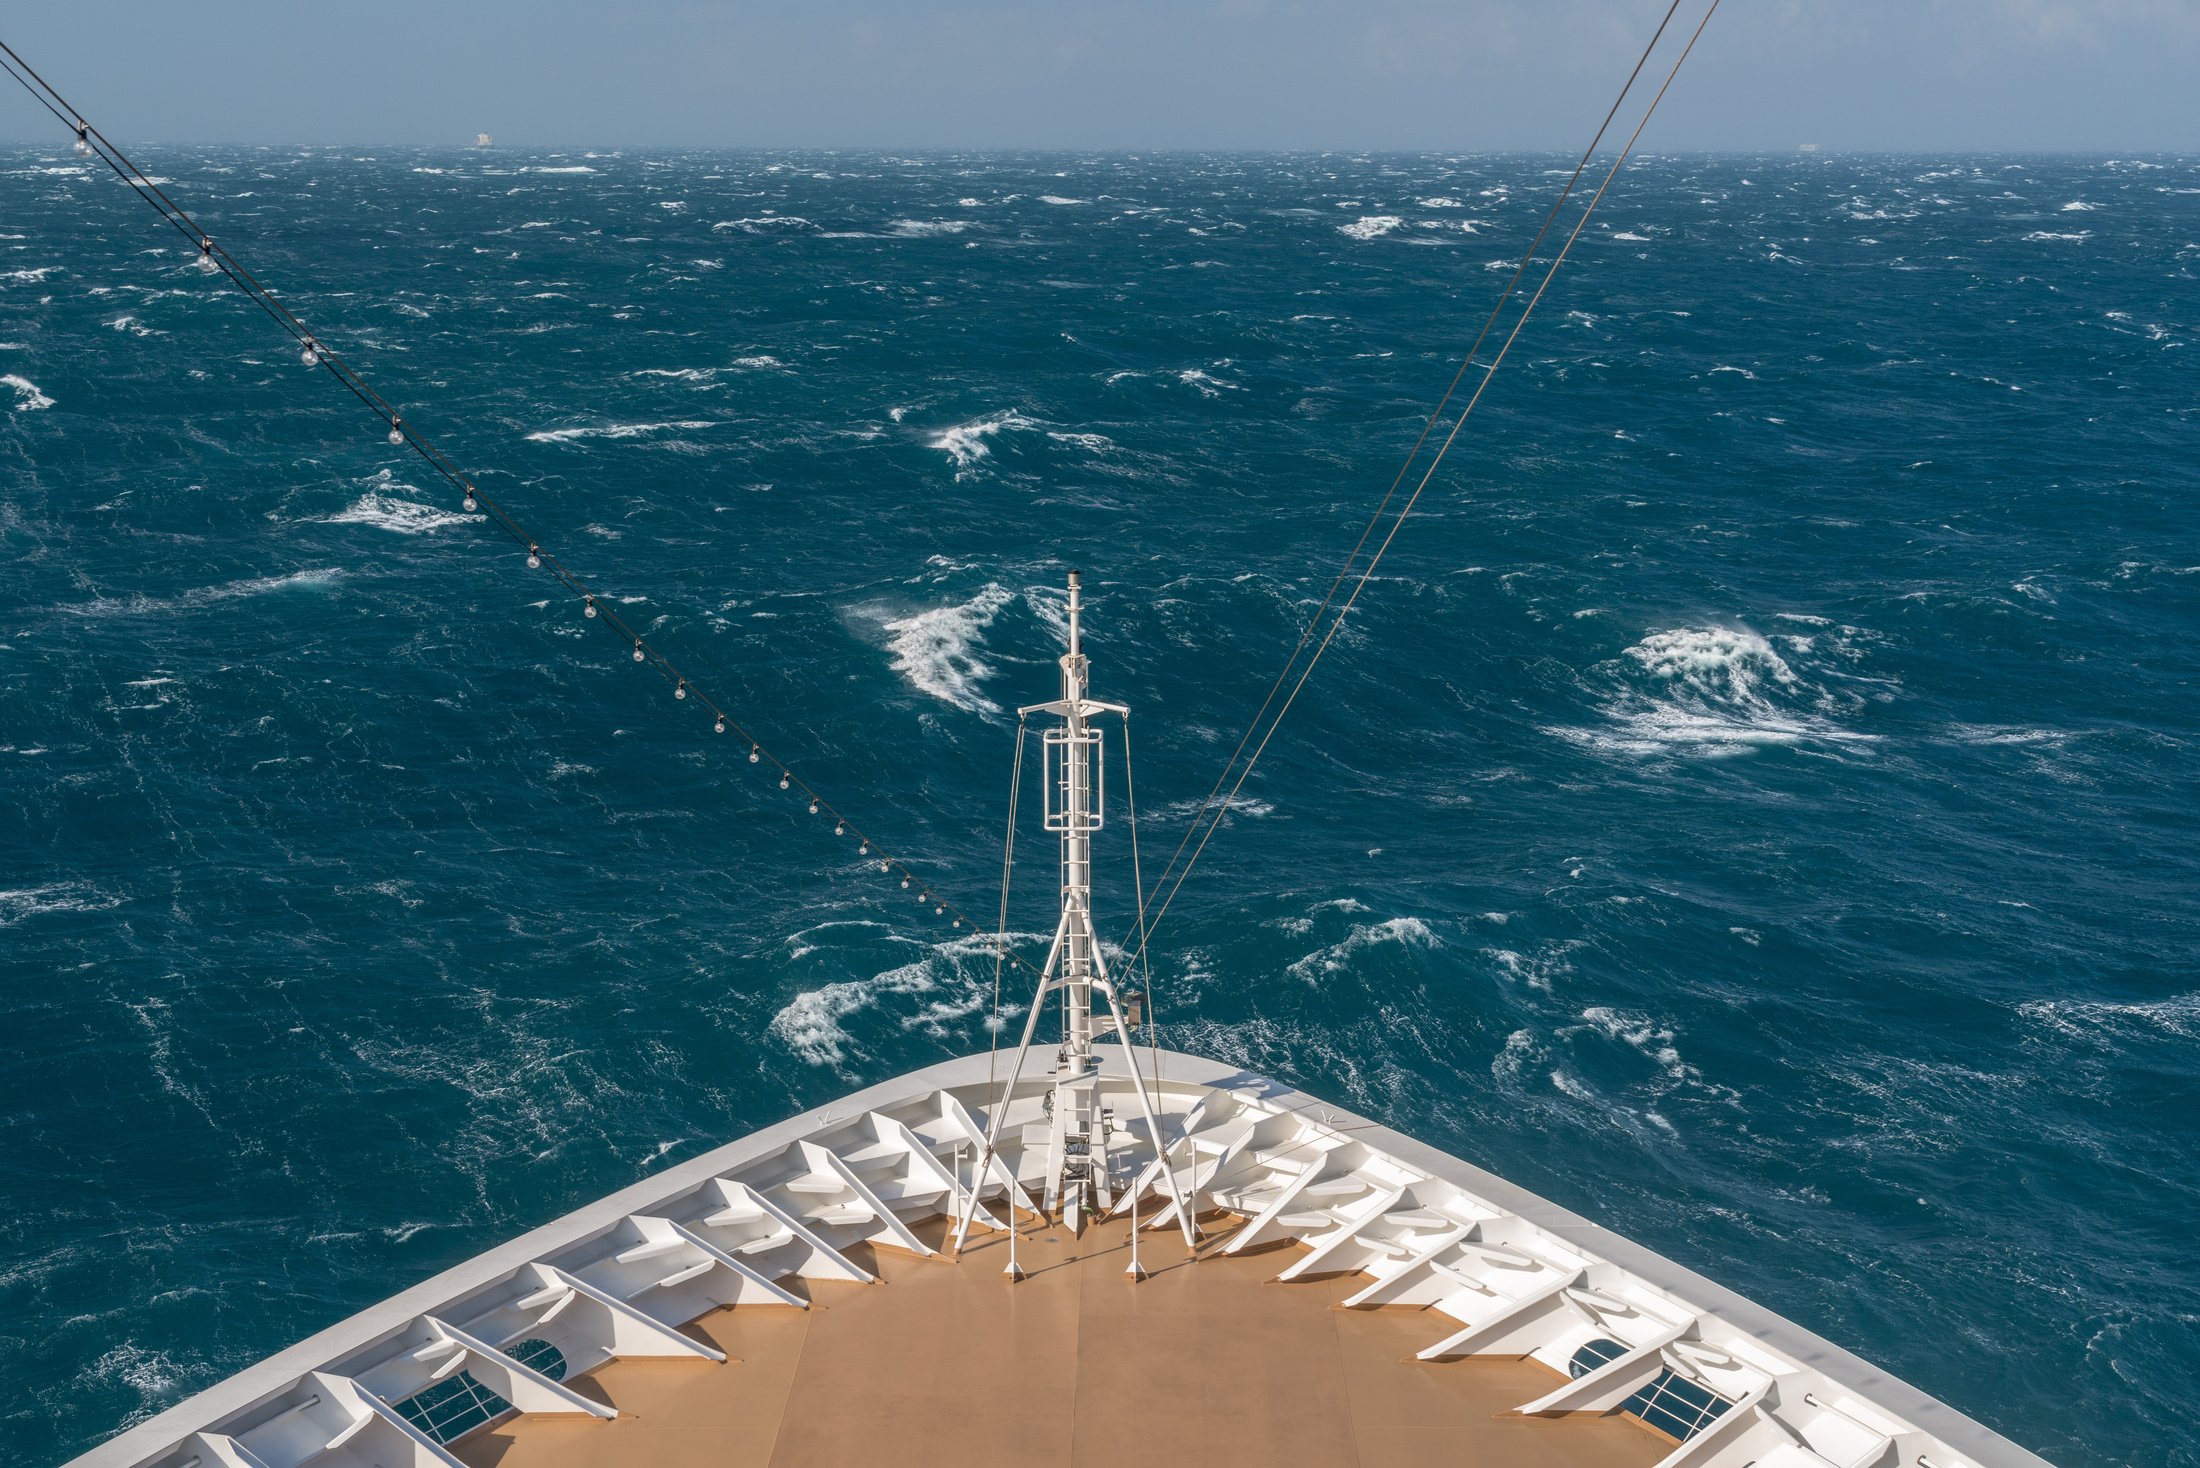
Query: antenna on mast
(1078, 1126)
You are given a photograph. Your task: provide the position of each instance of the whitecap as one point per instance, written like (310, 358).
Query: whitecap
(965, 442)
(406, 517)
(28, 399)
(617, 430)
(813, 1024)
(919, 228)
(1097, 443)
(1369, 226)
(1058, 199)
(2079, 206)
(19, 903)
(1209, 387)
(1408, 932)
(2042, 236)
(1709, 692)
(570, 168)
(938, 650)
(316, 579)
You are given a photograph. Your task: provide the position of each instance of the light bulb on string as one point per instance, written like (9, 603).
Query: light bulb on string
(958, 922)
(904, 884)
(397, 431)
(939, 910)
(720, 726)
(681, 689)
(639, 655)
(311, 356)
(83, 143)
(885, 866)
(534, 561)
(813, 805)
(840, 828)
(755, 754)
(588, 606)
(864, 849)
(470, 507)
(782, 782)
(206, 255)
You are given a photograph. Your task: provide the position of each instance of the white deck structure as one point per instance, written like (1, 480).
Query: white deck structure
(1494, 1270)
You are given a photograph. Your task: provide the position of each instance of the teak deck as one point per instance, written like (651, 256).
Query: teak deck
(1204, 1365)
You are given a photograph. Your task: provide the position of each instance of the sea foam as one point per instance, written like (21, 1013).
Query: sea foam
(28, 399)
(938, 650)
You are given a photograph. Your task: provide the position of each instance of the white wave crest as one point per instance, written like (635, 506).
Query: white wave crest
(1057, 199)
(139, 604)
(569, 168)
(1208, 387)
(1337, 957)
(618, 430)
(1370, 226)
(2042, 236)
(28, 399)
(763, 222)
(812, 1024)
(27, 902)
(1711, 692)
(938, 650)
(965, 442)
(406, 517)
(919, 228)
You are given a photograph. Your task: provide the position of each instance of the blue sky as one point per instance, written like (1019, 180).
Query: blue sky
(2090, 75)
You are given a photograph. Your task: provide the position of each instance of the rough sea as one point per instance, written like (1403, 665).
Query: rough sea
(1754, 805)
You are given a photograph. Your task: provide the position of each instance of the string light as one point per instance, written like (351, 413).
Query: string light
(312, 354)
(864, 849)
(905, 882)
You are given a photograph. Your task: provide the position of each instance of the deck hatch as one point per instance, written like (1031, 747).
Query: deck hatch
(447, 1410)
(1673, 1404)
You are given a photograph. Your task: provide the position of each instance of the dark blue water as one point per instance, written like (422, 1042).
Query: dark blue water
(1754, 806)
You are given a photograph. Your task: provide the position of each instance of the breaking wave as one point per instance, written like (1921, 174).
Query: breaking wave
(1709, 692)
(938, 650)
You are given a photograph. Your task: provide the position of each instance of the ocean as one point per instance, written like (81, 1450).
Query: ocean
(1754, 804)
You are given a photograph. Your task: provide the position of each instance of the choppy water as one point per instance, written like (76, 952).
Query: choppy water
(1755, 807)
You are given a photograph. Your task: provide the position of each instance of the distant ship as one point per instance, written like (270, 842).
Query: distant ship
(483, 140)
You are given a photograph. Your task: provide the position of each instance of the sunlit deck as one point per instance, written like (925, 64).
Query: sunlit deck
(1209, 1363)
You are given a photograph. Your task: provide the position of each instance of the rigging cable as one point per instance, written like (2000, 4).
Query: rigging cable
(315, 352)
(1413, 455)
(1213, 822)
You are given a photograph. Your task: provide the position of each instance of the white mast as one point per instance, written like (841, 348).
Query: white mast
(1078, 1127)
